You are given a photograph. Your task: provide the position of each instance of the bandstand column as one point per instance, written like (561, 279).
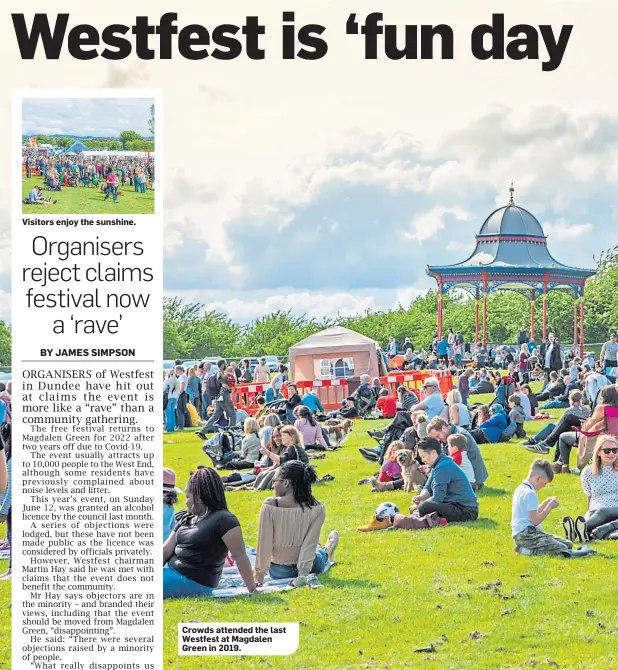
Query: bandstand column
(545, 311)
(581, 326)
(484, 312)
(575, 326)
(533, 298)
(440, 309)
(476, 317)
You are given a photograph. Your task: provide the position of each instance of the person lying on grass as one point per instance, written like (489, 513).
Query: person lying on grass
(194, 554)
(528, 515)
(290, 525)
(600, 483)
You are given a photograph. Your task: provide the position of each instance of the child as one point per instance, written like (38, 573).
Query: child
(527, 515)
(386, 404)
(391, 470)
(457, 449)
(534, 403)
(517, 414)
(170, 498)
(229, 379)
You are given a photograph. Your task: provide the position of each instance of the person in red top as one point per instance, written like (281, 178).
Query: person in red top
(387, 404)
(112, 186)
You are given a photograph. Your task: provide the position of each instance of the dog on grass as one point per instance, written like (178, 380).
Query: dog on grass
(338, 431)
(412, 476)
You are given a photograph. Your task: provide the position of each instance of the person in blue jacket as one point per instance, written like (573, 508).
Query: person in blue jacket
(443, 349)
(491, 430)
(447, 492)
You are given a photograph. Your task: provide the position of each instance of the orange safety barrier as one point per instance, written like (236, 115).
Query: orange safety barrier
(332, 392)
(244, 396)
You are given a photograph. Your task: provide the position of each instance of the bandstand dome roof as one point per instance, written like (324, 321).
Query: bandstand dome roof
(511, 252)
(512, 220)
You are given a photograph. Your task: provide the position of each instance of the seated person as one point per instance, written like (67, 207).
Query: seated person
(532, 401)
(290, 525)
(447, 492)
(310, 399)
(484, 385)
(310, 430)
(35, 197)
(292, 447)
(250, 447)
(527, 515)
(491, 430)
(548, 437)
(431, 402)
(457, 450)
(517, 414)
(348, 411)
(195, 551)
(386, 405)
(364, 396)
(554, 388)
(600, 484)
(407, 399)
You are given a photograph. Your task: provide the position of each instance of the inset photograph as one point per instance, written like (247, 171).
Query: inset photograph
(88, 155)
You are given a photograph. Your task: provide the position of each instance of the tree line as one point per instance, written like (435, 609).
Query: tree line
(128, 140)
(191, 331)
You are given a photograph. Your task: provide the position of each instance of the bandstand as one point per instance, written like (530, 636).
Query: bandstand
(511, 254)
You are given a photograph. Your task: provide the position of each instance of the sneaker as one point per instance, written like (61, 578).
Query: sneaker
(581, 530)
(364, 481)
(540, 448)
(523, 551)
(369, 454)
(332, 544)
(557, 466)
(565, 470)
(529, 442)
(6, 577)
(7, 545)
(568, 524)
(375, 524)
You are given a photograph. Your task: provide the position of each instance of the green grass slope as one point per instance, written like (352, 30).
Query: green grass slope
(83, 200)
(460, 588)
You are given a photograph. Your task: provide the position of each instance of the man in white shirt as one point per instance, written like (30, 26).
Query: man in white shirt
(181, 404)
(431, 399)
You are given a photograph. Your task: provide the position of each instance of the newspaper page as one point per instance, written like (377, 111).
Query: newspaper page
(86, 374)
(346, 398)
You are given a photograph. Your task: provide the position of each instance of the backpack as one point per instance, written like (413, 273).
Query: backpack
(213, 386)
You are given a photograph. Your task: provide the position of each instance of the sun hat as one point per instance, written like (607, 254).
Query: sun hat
(169, 480)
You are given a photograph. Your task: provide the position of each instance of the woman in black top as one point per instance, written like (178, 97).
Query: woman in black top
(291, 403)
(194, 554)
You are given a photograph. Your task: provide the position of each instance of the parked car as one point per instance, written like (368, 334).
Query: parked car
(272, 362)
(5, 377)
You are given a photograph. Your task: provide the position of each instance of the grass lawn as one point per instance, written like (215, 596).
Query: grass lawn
(5, 612)
(460, 588)
(83, 200)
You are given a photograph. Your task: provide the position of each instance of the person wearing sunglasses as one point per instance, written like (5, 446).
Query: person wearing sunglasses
(431, 399)
(600, 484)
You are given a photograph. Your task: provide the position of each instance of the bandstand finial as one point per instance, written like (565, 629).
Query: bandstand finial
(512, 190)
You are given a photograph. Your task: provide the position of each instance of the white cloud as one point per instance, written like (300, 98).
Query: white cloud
(426, 225)
(560, 230)
(455, 245)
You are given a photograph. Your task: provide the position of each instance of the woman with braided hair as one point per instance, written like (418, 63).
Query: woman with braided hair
(195, 551)
(290, 525)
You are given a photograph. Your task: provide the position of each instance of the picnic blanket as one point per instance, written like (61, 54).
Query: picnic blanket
(232, 585)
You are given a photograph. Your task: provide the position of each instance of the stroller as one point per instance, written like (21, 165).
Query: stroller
(365, 403)
(224, 446)
(394, 431)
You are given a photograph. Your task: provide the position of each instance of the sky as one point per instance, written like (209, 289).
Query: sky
(327, 187)
(102, 117)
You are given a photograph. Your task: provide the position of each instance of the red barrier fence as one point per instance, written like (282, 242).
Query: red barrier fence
(332, 392)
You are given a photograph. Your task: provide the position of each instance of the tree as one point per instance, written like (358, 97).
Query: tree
(151, 120)
(129, 136)
(5, 344)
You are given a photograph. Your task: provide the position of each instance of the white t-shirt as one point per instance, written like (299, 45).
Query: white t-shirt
(602, 489)
(434, 404)
(183, 379)
(466, 466)
(171, 383)
(464, 415)
(524, 402)
(525, 499)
